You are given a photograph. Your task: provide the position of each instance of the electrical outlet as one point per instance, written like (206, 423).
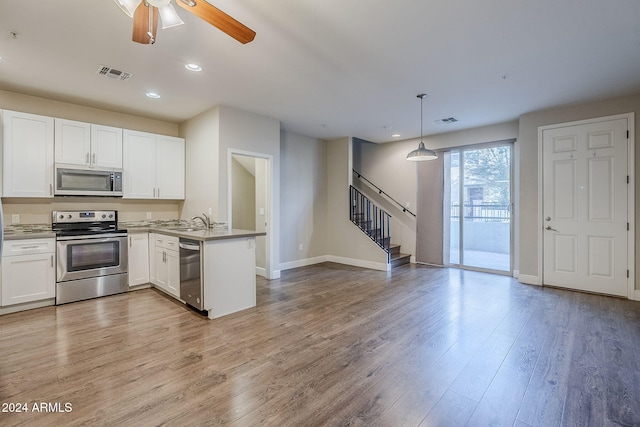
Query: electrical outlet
(15, 218)
(148, 215)
(210, 211)
(300, 247)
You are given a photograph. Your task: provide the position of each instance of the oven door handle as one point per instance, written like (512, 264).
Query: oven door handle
(91, 237)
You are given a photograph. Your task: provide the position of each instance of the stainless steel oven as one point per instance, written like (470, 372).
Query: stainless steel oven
(91, 255)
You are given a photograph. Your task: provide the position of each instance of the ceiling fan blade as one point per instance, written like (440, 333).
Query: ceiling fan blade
(218, 19)
(145, 24)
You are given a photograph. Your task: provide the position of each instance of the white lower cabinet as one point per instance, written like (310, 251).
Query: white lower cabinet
(138, 259)
(28, 271)
(165, 264)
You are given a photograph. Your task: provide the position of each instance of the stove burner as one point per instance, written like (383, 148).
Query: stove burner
(79, 223)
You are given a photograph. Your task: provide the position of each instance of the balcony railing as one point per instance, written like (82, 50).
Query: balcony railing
(482, 212)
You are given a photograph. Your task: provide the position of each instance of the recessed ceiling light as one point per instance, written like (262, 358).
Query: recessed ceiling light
(193, 67)
(395, 135)
(153, 95)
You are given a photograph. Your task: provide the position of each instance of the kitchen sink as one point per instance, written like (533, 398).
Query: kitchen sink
(185, 229)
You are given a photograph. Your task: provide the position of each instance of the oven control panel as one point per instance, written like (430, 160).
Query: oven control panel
(60, 217)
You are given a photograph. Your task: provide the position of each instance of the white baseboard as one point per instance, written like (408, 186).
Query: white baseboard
(275, 274)
(260, 271)
(27, 306)
(637, 295)
(303, 262)
(412, 259)
(529, 280)
(360, 263)
(340, 260)
(516, 273)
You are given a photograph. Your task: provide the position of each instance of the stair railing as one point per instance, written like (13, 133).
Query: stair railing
(372, 220)
(383, 193)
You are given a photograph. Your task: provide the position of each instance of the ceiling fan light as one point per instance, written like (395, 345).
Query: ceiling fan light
(422, 154)
(189, 3)
(127, 6)
(169, 16)
(158, 3)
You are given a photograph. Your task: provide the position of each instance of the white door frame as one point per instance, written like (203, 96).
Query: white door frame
(272, 272)
(632, 293)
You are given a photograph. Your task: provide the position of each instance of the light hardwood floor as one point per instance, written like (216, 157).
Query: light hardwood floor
(333, 345)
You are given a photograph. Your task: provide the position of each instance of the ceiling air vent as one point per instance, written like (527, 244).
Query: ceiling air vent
(447, 121)
(112, 73)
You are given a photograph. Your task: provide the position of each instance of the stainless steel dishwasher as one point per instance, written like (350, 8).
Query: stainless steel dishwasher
(191, 283)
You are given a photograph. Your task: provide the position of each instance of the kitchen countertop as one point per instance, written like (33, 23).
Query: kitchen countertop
(217, 232)
(43, 231)
(28, 231)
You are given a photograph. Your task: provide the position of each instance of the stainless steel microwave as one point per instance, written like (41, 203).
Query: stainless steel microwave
(72, 180)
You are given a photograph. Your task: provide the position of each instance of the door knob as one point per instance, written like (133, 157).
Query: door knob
(548, 218)
(548, 227)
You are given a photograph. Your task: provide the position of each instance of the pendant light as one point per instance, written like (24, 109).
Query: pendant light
(421, 153)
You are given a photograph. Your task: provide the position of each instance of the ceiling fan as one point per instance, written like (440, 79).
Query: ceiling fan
(145, 18)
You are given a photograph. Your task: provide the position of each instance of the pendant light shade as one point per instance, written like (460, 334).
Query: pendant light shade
(421, 153)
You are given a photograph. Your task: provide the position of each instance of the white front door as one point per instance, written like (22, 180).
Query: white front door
(585, 216)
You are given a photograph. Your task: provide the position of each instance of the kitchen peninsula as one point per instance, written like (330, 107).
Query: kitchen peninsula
(228, 265)
(227, 260)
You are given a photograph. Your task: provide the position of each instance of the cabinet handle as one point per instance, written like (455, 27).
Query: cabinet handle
(51, 189)
(158, 192)
(130, 243)
(51, 261)
(87, 159)
(93, 163)
(154, 192)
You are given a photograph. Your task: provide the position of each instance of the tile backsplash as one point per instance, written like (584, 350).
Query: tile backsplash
(38, 211)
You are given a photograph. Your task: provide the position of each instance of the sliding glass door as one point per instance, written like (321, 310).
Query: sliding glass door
(478, 207)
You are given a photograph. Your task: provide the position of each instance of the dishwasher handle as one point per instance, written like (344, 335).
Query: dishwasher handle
(189, 246)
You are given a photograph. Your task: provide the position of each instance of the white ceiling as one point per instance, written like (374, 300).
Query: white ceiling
(333, 68)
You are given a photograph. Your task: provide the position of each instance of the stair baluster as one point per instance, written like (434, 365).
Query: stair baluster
(373, 221)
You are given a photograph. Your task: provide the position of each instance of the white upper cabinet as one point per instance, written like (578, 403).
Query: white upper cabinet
(27, 155)
(85, 144)
(170, 167)
(153, 166)
(72, 142)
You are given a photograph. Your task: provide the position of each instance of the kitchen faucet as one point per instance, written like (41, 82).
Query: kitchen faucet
(204, 218)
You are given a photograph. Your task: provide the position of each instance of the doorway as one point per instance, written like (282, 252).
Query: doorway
(478, 207)
(250, 202)
(587, 205)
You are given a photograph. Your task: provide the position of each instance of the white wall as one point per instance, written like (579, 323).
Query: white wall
(303, 178)
(386, 166)
(528, 159)
(211, 138)
(346, 242)
(244, 197)
(202, 157)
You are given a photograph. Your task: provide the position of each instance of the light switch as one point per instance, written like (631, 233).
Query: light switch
(15, 218)
(261, 211)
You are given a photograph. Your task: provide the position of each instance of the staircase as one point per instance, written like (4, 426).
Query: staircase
(374, 222)
(396, 258)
